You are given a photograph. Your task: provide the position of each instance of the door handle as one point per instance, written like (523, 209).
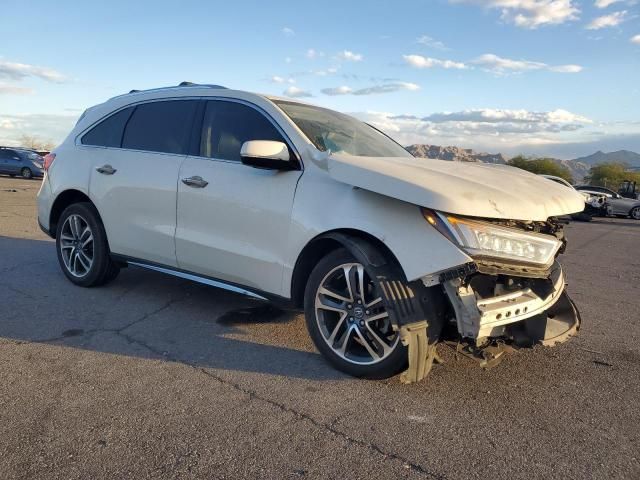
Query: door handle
(106, 170)
(195, 182)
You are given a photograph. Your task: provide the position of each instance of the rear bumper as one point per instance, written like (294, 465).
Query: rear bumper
(481, 318)
(45, 201)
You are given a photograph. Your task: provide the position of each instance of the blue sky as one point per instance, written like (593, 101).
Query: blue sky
(558, 77)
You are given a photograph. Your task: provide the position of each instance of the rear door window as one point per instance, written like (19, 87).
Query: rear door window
(161, 127)
(227, 125)
(108, 133)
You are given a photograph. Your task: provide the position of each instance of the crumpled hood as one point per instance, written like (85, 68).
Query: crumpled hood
(472, 189)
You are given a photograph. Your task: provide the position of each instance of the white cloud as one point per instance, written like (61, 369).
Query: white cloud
(279, 79)
(531, 13)
(501, 116)
(605, 3)
(566, 69)
(430, 42)
(288, 32)
(486, 129)
(311, 53)
(350, 56)
(635, 39)
(376, 89)
(502, 66)
(288, 60)
(342, 90)
(611, 20)
(324, 73)
(418, 61)
(6, 89)
(20, 71)
(295, 92)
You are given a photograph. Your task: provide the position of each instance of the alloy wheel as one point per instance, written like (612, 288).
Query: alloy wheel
(635, 213)
(76, 245)
(351, 316)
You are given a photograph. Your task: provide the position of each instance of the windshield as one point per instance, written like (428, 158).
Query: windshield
(339, 133)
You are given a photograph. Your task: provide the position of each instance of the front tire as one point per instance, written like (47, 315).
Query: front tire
(26, 173)
(347, 321)
(83, 251)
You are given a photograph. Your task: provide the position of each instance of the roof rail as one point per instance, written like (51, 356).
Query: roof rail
(191, 84)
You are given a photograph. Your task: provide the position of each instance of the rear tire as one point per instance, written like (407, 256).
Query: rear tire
(635, 213)
(26, 173)
(329, 333)
(83, 250)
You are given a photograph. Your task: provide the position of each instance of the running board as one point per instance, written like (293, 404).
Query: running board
(199, 279)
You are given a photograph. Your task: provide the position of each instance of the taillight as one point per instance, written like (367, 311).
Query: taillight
(48, 160)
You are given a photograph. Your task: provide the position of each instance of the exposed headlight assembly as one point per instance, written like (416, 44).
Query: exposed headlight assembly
(484, 239)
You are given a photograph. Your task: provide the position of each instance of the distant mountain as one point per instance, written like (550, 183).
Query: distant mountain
(624, 156)
(455, 154)
(577, 168)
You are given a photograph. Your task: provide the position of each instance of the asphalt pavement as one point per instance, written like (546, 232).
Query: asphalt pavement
(157, 377)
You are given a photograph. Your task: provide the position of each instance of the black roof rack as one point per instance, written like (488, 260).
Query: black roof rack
(192, 84)
(181, 84)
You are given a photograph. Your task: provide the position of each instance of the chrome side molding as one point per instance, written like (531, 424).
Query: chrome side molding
(199, 279)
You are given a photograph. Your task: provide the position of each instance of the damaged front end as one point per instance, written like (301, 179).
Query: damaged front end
(512, 295)
(514, 291)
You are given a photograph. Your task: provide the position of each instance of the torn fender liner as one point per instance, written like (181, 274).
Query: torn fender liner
(421, 353)
(411, 307)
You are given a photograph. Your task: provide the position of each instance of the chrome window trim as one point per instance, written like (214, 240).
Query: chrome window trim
(289, 142)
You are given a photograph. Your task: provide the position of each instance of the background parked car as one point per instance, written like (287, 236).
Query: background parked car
(594, 204)
(616, 203)
(20, 161)
(628, 189)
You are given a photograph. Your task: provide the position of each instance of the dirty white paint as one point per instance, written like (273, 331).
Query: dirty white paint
(472, 189)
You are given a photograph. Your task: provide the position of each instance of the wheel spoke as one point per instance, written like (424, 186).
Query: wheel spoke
(360, 272)
(66, 238)
(383, 344)
(88, 240)
(345, 340)
(373, 302)
(332, 337)
(379, 316)
(74, 263)
(320, 303)
(365, 344)
(329, 293)
(84, 260)
(347, 277)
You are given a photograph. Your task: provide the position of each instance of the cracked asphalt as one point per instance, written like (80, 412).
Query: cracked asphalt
(156, 377)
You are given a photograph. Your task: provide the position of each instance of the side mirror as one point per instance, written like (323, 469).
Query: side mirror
(266, 154)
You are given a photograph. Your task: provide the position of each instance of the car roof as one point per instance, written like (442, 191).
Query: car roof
(184, 89)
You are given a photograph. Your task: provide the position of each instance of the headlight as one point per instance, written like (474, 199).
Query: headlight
(483, 239)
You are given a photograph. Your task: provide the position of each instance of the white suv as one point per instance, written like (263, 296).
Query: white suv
(387, 254)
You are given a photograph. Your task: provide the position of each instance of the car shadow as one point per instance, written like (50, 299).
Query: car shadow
(625, 222)
(150, 315)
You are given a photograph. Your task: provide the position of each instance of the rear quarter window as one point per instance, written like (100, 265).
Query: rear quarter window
(161, 127)
(108, 133)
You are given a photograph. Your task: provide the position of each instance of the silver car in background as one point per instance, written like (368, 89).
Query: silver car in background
(616, 204)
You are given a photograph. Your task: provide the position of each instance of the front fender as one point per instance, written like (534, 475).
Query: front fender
(324, 205)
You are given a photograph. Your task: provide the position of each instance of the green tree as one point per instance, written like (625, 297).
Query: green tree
(611, 175)
(546, 166)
